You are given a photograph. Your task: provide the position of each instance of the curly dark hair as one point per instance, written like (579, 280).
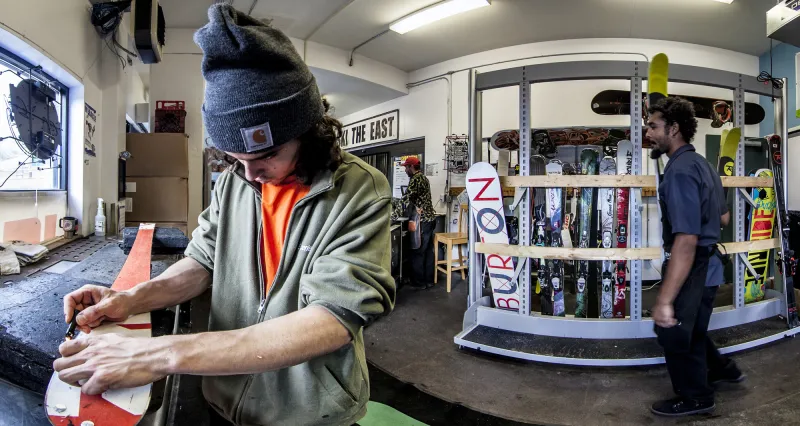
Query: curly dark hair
(319, 147)
(677, 110)
(319, 150)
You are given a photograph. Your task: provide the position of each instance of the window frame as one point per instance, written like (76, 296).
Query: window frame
(9, 58)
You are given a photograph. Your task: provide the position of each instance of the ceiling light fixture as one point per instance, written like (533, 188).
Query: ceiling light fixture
(435, 13)
(725, 1)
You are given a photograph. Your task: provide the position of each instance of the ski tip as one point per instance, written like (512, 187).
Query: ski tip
(657, 78)
(734, 134)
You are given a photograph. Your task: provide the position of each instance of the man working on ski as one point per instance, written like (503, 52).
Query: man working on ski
(690, 229)
(295, 245)
(417, 202)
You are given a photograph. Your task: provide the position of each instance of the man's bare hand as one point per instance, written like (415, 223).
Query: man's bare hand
(664, 315)
(97, 304)
(110, 361)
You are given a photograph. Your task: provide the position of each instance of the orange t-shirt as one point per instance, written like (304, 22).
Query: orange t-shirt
(277, 203)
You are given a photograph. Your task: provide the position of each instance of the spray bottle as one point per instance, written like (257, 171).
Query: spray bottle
(100, 220)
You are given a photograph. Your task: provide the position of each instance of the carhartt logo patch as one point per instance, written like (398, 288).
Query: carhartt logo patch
(257, 138)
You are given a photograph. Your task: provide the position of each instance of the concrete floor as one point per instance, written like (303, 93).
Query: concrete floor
(415, 345)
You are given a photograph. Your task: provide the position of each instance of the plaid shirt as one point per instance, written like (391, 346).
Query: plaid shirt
(418, 195)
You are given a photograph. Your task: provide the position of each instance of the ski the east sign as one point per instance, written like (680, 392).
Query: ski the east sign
(380, 128)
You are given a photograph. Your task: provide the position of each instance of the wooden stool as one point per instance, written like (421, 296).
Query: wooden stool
(449, 239)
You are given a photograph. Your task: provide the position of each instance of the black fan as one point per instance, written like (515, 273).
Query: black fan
(34, 114)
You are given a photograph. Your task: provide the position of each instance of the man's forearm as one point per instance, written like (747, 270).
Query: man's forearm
(182, 281)
(278, 343)
(679, 266)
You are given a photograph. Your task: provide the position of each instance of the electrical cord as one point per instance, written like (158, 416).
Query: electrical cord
(765, 77)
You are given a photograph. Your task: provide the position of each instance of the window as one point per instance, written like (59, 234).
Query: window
(33, 127)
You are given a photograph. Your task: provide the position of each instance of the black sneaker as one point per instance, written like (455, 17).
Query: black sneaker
(678, 407)
(729, 374)
(735, 376)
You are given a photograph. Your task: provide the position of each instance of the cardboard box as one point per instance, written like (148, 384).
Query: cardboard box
(157, 155)
(180, 225)
(157, 199)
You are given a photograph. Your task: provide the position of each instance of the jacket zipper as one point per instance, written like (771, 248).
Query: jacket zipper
(264, 297)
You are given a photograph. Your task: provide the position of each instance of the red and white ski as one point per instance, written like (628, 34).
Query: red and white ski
(66, 405)
(624, 167)
(486, 204)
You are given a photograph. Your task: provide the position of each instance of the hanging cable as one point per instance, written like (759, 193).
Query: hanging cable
(765, 77)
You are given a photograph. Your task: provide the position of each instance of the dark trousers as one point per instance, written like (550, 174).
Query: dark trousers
(688, 351)
(422, 258)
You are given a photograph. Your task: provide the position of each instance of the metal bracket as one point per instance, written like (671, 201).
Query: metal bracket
(519, 195)
(748, 265)
(748, 198)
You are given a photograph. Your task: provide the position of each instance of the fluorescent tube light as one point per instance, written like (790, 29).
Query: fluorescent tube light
(434, 13)
(725, 1)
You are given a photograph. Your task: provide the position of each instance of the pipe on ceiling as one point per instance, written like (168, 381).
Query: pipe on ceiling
(318, 27)
(647, 59)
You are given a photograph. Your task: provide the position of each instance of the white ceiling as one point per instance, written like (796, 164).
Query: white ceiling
(740, 26)
(348, 94)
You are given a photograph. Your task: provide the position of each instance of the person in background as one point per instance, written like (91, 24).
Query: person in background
(416, 202)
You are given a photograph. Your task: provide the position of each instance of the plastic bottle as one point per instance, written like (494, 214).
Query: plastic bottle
(100, 220)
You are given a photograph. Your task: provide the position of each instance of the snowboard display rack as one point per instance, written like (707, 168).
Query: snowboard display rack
(592, 341)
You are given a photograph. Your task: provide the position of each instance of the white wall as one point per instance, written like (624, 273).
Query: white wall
(178, 77)
(60, 37)
(558, 104)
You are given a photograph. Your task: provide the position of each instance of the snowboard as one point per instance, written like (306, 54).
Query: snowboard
(605, 202)
(486, 204)
(555, 267)
(624, 167)
(785, 255)
(588, 167)
(618, 102)
(66, 404)
(762, 221)
(538, 168)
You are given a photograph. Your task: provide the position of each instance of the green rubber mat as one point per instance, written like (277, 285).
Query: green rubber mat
(383, 415)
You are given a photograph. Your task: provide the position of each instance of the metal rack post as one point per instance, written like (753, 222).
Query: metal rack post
(738, 206)
(635, 200)
(475, 104)
(782, 130)
(524, 207)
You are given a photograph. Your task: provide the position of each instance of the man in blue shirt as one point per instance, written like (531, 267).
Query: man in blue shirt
(690, 229)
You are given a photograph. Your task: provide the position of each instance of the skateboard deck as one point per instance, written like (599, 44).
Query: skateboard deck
(65, 404)
(486, 204)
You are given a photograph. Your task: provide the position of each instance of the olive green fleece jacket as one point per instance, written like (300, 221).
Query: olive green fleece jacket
(336, 255)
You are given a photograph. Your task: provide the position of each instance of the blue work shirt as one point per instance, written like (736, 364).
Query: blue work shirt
(688, 199)
(716, 269)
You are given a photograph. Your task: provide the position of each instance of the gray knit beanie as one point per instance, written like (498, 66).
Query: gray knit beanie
(259, 92)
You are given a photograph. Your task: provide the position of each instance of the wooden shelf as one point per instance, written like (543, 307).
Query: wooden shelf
(647, 253)
(646, 183)
(619, 181)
